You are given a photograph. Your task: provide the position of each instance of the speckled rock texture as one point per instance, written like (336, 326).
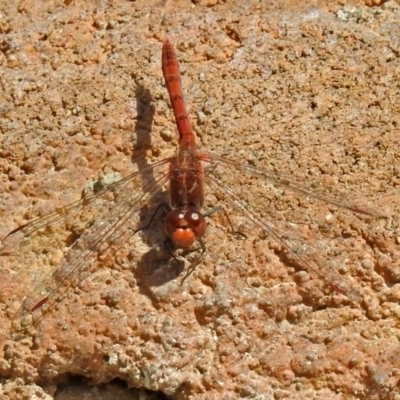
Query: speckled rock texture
(307, 91)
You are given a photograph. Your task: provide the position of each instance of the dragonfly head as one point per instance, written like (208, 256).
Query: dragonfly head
(184, 226)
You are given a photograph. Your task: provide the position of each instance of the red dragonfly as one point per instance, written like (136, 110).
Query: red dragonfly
(111, 216)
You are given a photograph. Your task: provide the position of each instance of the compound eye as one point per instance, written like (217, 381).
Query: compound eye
(197, 222)
(184, 227)
(173, 219)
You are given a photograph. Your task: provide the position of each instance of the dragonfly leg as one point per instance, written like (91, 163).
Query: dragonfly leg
(163, 206)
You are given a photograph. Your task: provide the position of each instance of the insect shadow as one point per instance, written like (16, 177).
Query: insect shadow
(158, 265)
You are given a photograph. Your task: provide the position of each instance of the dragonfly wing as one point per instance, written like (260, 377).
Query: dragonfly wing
(66, 242)
(302, 255)
(300, 185)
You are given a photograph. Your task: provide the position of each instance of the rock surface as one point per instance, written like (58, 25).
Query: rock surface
(312, 92)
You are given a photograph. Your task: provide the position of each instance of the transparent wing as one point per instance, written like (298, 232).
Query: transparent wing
(79, 231)
(222, 172)
(313, 189)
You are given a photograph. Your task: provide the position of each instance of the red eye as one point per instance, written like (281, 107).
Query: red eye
(184, 227)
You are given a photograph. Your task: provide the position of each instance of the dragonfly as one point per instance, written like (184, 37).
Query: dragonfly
(101, 220)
